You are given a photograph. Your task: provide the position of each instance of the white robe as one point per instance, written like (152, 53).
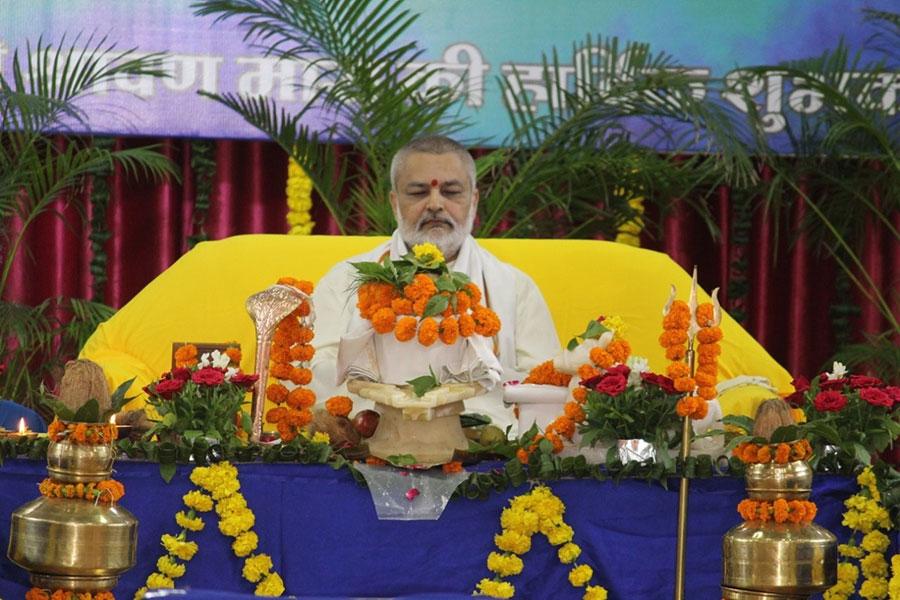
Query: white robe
(527, 336)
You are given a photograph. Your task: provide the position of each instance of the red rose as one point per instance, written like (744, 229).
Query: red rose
(894, 392)
(660, 381)
(208, 376)
(876, 397)
(832, 384)
(167, 387)
(863, 381)
(612, 385)
(801, 383)
(830, 401)
(619, 370)
(244, 380)
(180, 373)
(801, 386)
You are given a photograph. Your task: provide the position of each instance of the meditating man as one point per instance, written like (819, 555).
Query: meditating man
(435, 198)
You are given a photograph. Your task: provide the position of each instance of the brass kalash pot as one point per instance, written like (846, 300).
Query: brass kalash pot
(72, 543)
(769, 560)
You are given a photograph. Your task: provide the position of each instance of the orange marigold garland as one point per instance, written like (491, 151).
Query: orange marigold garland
(37, 593)
(546, 374)
(783, 453)
(82, 433)
(431, 305)
(291, 352)
(779, 511)
(108, 491)
(339, 406)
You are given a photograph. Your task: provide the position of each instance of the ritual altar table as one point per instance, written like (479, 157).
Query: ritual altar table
(320, 528)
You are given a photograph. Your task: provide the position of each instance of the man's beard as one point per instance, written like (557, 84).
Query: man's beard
(449, 242)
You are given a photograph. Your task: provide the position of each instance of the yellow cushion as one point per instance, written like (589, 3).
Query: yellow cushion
(201, 298)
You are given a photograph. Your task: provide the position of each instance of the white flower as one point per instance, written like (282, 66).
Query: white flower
(231, 372)
(204, 360)
(638, 365)
(838, 370)
(220, 360)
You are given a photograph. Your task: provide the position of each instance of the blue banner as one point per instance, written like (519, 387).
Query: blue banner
(471, 43)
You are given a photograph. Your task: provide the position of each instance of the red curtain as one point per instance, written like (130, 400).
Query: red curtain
(787, 305)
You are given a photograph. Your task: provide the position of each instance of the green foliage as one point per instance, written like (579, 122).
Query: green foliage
(593, 330)
(424, 384)
(365, 79)
(39, 97)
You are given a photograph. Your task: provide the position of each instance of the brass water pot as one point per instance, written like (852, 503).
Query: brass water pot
(786, 561)
(74, 544)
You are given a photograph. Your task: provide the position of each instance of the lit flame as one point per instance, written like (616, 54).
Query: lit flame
(22, 428)
(112, 419)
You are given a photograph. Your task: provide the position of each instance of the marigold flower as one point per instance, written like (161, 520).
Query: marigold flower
(520, 520)
(875, 541)
(339, 406)
(276, 415)
(556, 441)
(522, 455)
(158, 580)
(301, 375)
(602, 358)
(463, 302)
(304, 286)
(187, 522)
(406, 329)
(574, 411)
(237, 523)
(245, 543)
(474, 293)
(110, 490)
(594, 592)
(281, 371)
(782, 454)
(383, 320)
(707, 393)
(487, 323)
(256, 567)
(234, 355)
(375, 461)
(300, 397)
(504, 565)
(402, 306)
(568, 553)
(466, 325)
(197, 500)
(302, 352)
(231, 505)
(422, 286)
(587, 372)
(619, 349)
(709, 335)
(677, 370)
(546, 374)
(169, 567)
(512, 541)
(684, 384)
(580, 575)
(705, 314)
(186, 356)
(705, 379)
(579, 394)
(428, 331)
(448, 330)
(452, 467)
(271, 586)
(36, 593)
(675, 352)
(561, 534)
(496, 589)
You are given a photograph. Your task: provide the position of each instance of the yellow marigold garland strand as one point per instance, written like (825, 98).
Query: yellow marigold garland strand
(538, 511)
(629, 232)
(866, 515)
(299, 200)
(219, 489)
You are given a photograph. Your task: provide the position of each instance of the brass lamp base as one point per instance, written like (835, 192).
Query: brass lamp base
(729, 593)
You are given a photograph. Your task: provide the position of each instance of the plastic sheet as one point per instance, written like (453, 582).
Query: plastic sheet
(401, 495)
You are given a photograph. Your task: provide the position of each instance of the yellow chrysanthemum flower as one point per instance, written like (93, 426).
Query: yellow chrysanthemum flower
(198, 501)
(560, 535)
(158, 580)
(580, 575)
(245, 543)
(428, 254)
(519, 520)
(139, 594)
(850, 551)
(594, 592)
(874, 566)
(183, 550)
(187, 522)
(568, 553)
(496, 589)
(169, 567)
(513, 541)
(875, 541)
(617, 324)
(271, 586)
(256, 567)
(233, 504)
(504, 565)
(321, 437)
(874, 589)
(237, 523)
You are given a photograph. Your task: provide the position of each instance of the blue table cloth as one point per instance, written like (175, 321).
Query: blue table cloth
(321, 530)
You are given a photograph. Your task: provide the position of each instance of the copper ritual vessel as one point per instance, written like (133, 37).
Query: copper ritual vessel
(74, 544)
(778, 561)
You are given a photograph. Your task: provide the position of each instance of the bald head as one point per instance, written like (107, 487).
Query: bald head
(433, 144)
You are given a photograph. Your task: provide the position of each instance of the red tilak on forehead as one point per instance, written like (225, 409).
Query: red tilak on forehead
(434, 183)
